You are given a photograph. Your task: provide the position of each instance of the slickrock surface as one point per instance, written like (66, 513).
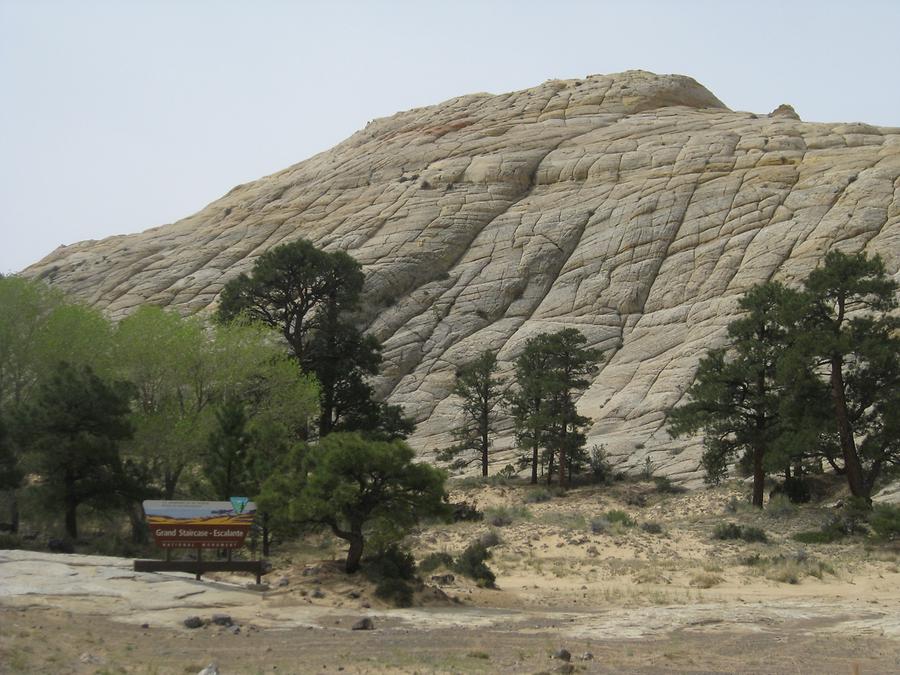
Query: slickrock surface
(634, 207)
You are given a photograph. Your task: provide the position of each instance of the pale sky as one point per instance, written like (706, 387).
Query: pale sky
(120, 115)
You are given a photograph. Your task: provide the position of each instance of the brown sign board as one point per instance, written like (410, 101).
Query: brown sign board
(187, 524)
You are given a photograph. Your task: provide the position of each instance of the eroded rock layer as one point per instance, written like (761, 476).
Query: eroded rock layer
(634, 207)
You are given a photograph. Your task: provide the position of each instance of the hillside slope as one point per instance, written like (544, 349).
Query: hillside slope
(634, 207)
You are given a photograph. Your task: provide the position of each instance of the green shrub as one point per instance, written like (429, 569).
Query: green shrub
(725, 531)
(489, 539)
(780, 506)
(665, 485)
(752, 534)
(464, 511)
(501, 516)
(433, 561)
(392, 570)
(600, 525)
(651, 527)
(885, 521)
(471, 563)
(601, 469)
(9, 540)
(823, 536)
(537, 495)
(619, 516)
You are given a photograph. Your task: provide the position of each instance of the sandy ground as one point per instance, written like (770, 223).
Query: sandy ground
(642, 602)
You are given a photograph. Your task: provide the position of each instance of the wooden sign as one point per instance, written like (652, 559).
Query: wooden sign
(183, 524)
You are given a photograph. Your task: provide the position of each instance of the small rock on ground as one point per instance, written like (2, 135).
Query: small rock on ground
(563, 654)
(364, 623)
(193, 622)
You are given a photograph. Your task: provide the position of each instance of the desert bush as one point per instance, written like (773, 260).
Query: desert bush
(780, 506)
(501, 516)
(619, 516)
(737, 505)
(465, 511)
(436, 560)
(490, 539)
(471, 563)
(392, 569)
(537, 495)
(665, 485)
(508, 472)
(726, 531)
(885, 521)
(600, 525)
(601, 469)
(652, 527)
(705, 580)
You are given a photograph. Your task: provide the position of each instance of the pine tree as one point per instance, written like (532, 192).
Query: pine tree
(479, 390)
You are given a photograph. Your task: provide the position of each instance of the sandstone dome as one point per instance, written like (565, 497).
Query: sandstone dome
(634, 207)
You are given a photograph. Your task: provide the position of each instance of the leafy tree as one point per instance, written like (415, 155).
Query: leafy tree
(736, 396)
(24, 308)
(357, 486)
(848, 336)
(71, 431)
(307, 295)
(479, 389)
(549, 371)
(10, 473)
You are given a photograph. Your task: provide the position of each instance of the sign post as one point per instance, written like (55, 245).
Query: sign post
(200, 525)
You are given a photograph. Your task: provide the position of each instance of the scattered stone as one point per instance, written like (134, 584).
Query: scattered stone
(282, 582)
(222, 619)
(89, 658)
(145, 625)
(366, 605)
(364, 623)
(587, 656)
(193, 622)
(563, 654)
(211, 669)
(354, 595)
(235, 630)
(318, 593)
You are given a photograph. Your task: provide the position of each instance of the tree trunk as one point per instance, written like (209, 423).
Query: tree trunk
(759, 476)
(354, 555)
(550, 470)
(563, 481)
(265, 534)
(534, 464)
(71, 518)
(139, 530)
(170, 482)
(852, 465)
(484, 453)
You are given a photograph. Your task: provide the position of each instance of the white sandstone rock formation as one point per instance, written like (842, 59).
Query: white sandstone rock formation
(634, 207)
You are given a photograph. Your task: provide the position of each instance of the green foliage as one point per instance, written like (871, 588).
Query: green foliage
(478, 388)
(725, 531)
(600, 467)
(308, 295)
(392, 570)
(780, 506)
(359, 487)
(537, 495)
(550, 369)
(652, 527)
(885, 521)
(472, 563)
(664, 485)
(501, 516)
(619, 516)
(10, 472)
(71, 432)
(434, 561)
(736, 393)
(848, 342)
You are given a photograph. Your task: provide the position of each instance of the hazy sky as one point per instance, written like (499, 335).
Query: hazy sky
(120, 115)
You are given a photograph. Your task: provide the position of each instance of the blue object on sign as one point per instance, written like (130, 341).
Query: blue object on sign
(238, 504)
